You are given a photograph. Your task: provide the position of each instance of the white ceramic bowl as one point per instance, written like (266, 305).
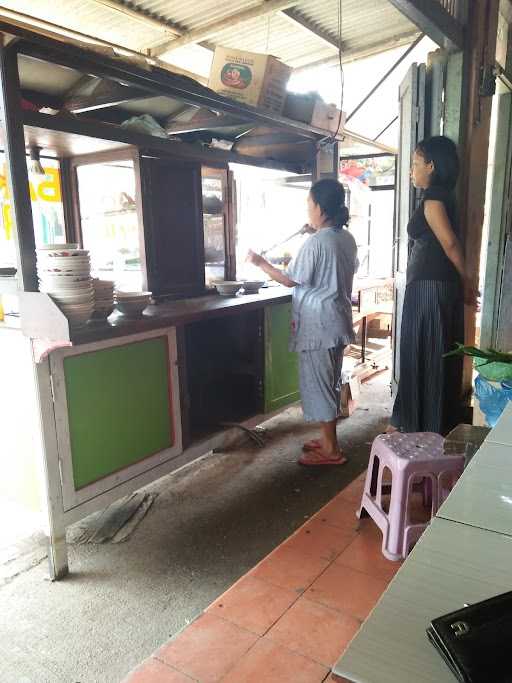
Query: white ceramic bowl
(57, 247)
(252, 286)
(78, 255)
(132, 295)
(65, 264)
(134, 302)
(82, 272)
(71, 288)
(62, 253)
(228, 288)
(73, 298)
(87, 305)
(77, 312)
(63, 281)
(63, 268)
(131, 309)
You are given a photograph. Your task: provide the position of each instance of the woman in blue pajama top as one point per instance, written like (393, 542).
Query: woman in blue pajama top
(321, 277)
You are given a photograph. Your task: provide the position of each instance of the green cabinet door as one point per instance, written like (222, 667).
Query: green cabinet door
(119, 407)
(281, 365)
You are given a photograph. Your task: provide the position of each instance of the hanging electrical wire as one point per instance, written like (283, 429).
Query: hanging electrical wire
(332, 138)
(340, 56)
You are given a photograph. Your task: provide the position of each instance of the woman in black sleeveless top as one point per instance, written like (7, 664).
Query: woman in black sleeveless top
(428, 398)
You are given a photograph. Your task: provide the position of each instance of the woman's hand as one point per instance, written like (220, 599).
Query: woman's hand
(269, 269)
(471, 294)
(254, 258)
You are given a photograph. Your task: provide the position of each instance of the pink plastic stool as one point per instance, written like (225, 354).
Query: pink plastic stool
(411, 459)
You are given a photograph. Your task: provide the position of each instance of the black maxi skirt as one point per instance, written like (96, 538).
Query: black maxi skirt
(428, 397)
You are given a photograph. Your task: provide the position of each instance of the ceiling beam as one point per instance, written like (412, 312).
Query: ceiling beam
(208, 30)
(368, 51)
(433, 20)
(141, 17)
(151, 20)
(298, 19)
(61, 33)
(348, 134)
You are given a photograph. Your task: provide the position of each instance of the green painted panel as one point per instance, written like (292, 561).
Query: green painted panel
(453, 96)
(119, 407)
(281, 365)
(498, 206)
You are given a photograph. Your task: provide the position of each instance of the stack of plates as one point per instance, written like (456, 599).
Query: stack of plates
(132, 304)
(103, 298)
(64, 273)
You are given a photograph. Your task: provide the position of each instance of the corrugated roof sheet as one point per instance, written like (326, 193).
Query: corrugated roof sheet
(192, 15)
(368, 27)
(363, 23)
(87, 16)
(274, 33)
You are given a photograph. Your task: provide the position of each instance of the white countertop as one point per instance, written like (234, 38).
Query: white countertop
(464, 556)
(442, 574)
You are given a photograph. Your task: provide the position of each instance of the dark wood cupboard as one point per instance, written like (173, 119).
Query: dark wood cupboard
(173, 226)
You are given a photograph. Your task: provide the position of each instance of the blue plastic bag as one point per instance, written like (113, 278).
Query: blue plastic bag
(492, 399)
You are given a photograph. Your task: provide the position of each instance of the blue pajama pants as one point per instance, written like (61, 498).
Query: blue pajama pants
(320, 383)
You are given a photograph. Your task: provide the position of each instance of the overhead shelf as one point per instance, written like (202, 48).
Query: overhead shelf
(63, 136)
(155, 81)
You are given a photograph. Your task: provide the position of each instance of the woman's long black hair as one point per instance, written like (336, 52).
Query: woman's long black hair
(442, 152)
(330, 197)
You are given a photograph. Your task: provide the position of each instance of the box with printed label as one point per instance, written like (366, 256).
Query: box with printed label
(256, 79)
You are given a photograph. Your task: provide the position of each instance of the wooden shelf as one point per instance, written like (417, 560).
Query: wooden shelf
(154, 81)
(63, 136)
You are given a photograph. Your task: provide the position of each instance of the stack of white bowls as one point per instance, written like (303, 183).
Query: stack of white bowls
(64, 273)
(103, 298)
(132, 304)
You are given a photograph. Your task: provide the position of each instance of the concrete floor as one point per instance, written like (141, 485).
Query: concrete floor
(210, 523)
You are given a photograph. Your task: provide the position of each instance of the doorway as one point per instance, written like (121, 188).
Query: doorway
(495, 329)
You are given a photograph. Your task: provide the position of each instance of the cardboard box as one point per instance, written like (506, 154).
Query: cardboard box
(256, 79)
(310, 108)
(350, 393)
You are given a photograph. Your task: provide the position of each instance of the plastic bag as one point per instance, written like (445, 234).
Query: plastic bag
(495, 372)
(492, 398)
(144, 124)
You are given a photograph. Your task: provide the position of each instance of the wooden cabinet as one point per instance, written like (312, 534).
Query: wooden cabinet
(224, 370)
(281, 365)
(117, 411)
(173, 225)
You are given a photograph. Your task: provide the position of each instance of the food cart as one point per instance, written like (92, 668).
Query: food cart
(110, 407)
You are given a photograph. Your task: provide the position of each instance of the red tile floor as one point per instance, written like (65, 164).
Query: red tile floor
(292, 616)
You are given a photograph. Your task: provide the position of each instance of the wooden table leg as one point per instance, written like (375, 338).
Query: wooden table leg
(364, 332)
